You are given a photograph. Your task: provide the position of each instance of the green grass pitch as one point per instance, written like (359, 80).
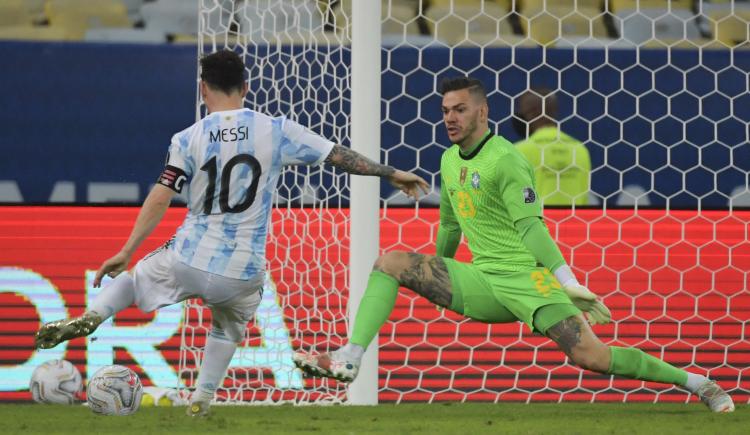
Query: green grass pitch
(440, 418)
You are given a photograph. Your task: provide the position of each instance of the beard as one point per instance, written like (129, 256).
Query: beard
(470, 129)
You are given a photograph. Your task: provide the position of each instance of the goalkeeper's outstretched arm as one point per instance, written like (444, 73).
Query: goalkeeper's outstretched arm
(536, 238)
(356, 164)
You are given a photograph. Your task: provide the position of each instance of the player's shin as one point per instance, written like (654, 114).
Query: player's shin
(635, 364)
(119, 294)
(374, 308)
(216, 358)
(114, 297)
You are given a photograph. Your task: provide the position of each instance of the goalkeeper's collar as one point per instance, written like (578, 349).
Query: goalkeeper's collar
(476, 148)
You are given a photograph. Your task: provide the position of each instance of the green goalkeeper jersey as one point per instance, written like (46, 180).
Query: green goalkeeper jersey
(483, 194)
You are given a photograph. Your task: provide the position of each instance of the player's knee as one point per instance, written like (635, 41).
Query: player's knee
(392, 263)
(229, 334)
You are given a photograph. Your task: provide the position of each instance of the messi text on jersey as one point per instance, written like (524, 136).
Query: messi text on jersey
(229, 134)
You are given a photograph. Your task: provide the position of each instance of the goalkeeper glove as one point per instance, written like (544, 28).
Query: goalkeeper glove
(583, 298)
(586, 301)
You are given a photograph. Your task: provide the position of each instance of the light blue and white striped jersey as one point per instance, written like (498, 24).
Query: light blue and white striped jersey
(232, 161)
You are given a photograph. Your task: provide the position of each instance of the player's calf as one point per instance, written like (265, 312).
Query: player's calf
(575, 337)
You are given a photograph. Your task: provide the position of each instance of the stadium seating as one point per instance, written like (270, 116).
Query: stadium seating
(36, 9)
(730, 29)
(620, 5)
(505, 4)
(180, 17)
(461, 24)
(560, 23)
(134, 9)
(171, 17)
(77, 16)
(639, 26)
(535, 5)
(234, 40)
(14, 13)
(401, 21)
(139, 36)
(547, 26)
(260, 20)
(33, 33)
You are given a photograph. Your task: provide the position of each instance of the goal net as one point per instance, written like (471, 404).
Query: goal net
(657, 93)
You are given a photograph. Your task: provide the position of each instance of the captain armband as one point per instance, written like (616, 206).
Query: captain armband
(173, 177)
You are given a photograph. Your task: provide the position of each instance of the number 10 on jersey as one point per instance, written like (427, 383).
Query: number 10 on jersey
(225, 189)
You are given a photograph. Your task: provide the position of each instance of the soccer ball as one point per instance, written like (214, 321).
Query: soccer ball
(56, 381)
(114, 390)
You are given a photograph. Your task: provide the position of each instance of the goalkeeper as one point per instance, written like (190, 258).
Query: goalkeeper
(517, 273)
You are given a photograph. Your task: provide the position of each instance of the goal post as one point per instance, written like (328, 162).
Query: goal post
(365, 197)
(656, 95)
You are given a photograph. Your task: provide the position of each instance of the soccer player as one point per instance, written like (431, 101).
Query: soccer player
(230, 162)
(517, 272)
(562, 166)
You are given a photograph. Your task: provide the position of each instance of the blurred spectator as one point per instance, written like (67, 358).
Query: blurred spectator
(561, 164)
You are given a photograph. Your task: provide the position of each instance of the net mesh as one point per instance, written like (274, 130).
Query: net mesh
(657, 92)
(298, 70)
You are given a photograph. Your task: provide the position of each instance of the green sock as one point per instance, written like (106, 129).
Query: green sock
(375, 307)
(636, 364)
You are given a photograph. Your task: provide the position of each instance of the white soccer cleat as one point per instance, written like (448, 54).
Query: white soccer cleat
(327, 365)
(198, 408)
(715, 397)
(200, 404)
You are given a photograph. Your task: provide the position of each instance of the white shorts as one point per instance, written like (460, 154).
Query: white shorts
(161, 280)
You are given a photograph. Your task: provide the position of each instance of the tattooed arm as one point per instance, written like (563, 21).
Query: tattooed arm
(355, 163)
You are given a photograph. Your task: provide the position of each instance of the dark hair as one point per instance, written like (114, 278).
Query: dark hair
(223, 70)
(457, 83)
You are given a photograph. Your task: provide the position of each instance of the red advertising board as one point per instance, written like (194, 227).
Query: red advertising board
(677, 284)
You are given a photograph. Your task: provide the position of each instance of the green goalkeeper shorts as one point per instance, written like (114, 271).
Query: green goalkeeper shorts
(501, 297)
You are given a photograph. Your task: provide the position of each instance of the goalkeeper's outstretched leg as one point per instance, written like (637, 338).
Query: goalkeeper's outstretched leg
(575, 337)
(426, 275)
(464, 289)
(435, 278)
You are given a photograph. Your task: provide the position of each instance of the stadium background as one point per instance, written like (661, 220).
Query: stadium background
(99, 106)
(89, 123)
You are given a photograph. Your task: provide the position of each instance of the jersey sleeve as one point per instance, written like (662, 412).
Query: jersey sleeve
(538, 241)
(516, 185)
(300, 146)
(178, 168)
